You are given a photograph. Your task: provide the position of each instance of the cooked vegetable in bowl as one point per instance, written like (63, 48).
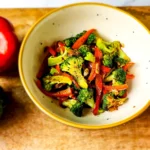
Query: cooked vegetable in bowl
(85, 71)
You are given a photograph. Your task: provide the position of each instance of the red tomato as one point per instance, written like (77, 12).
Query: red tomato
(8, 49)
(5, 24)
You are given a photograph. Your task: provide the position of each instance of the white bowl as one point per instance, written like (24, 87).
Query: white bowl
(112, 24)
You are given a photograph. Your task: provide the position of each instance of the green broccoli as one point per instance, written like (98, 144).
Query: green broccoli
(118, 77)
(53, 71)
(122, 58)
(91, 39)
(89, 57)
(86, 96)
(107, 60)
(105, 47)
(80, 34)
(69, 103)
(73, 65)
(84, 50)
(48, 81)
(69, 41)
(52, 61)
(75, 106)
(109, 101)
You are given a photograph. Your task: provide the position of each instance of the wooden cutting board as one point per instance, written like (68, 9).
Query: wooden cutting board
(25, 127)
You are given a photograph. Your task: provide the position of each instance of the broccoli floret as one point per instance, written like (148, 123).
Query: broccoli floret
(108, 101)
(91, 38)
(77, 109)
(120, 61)
(73, 65)
(83, 50)
(122, 58)
(69, 41)
(52, 61)
(69, 103)
(86, 96)
(105, 47)
(80, 34)
(107, 60)
(89, 57)
(118, 77)
(53, 71)
(75, 106)
(49, 81)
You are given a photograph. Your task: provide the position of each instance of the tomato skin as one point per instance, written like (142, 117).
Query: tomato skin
(8, 52)
(5, 25)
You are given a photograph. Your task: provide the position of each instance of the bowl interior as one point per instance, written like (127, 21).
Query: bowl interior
(111, 24)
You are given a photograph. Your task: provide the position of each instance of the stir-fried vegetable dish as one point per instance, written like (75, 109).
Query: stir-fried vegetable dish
(86, 71)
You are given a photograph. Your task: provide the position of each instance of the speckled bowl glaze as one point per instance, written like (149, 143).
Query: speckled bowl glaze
(111, 24)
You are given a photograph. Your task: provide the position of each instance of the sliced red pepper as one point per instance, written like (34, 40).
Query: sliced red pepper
(98, 54)
(105, 91)
(127, 66)
(96, 65)
(82, 39)
(62, 93)
(43, 67)
(61, 47)
(129, 76)
(99, 87)
(105, 69)
(62, 99)
(118, 87)
(57, 67)
(93, 72)
(52, 51)
(72, 78)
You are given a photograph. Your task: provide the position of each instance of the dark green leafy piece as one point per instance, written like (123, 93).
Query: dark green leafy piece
(91, 39)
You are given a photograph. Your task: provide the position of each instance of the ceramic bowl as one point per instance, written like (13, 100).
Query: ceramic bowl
(111, 24)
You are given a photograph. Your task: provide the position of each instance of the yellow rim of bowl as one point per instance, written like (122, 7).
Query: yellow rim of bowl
(46, 111)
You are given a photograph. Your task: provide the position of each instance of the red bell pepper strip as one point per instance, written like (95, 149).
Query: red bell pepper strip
(61, 100)
(52, 51)
(99, 86)
(63, 93)
(129, 76)
(96, 65)
(98, 54)
(127, 66)
(61, 47)
(57, 67)
(105, 91)
(72, 78)
(105, 69)
(43, 67)
(93, 72)
(118, 87)
(82, 39)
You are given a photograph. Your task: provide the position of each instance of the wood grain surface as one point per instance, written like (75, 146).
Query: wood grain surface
(25, 127)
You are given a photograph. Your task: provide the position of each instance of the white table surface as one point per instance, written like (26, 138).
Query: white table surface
(58, 3)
